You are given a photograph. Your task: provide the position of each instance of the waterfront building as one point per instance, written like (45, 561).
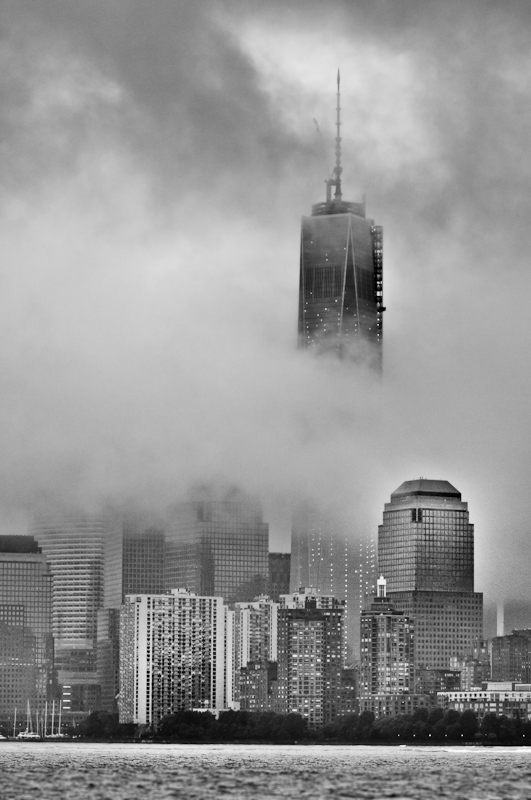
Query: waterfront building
(73, 546)
(311, 656)
(387, 641)
(511, 656)
(279, 575)
(474, 668)
(175, 655)
(426, 552)
(392, 705)
(218, 545)
(133, 558)
(502, 698)
(26, 642)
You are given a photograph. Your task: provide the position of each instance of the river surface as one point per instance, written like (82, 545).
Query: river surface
(76, 771)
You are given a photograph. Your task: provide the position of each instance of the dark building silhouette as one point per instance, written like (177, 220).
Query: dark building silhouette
(426, 554)
(279, 574)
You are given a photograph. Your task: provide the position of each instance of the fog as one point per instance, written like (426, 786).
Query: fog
(156, 160)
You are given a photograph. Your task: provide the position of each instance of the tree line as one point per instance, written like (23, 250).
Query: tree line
(424, 726)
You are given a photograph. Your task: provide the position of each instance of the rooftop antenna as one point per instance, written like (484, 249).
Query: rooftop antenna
(335, 180)
(337, 169)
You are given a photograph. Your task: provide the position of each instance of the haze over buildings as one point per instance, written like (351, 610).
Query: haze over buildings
(109, 378)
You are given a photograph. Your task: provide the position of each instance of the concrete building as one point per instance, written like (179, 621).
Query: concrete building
(26, 643)
(387, 645)
(73, 546)
(218, 544)
(311, 656)
(426, 552)
(175, 655)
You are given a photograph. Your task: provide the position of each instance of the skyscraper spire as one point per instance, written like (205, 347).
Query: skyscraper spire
(338, 169)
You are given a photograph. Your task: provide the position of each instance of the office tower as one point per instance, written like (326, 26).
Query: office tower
(387, 635)
(175, 655)
(255, 648)
(26, 643)
(426, 554)
(340, 283)
(327, 554)
(311, 656)
(340, 313)
(511, 657)
(217, 545)
(133, 558)
(279, 575)
(474, 668)
(73, 546)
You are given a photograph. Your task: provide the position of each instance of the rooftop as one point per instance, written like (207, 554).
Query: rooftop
(426, 488)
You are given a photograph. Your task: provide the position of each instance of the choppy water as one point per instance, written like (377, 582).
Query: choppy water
(76, 771)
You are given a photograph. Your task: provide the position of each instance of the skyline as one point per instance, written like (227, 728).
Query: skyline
(156, 168)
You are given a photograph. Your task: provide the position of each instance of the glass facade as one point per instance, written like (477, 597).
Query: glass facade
(218, 548)
(386, 663)
(26, 643)
(73, 546)
(340, 284)
(426, 554)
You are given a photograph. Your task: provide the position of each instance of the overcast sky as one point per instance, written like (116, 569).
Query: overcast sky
(156, 160)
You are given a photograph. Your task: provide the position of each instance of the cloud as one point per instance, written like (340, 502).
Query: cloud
(157, 160)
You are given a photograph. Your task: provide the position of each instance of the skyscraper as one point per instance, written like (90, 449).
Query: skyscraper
(341, 313)
(341, 283)
(426, 554)
(73, 546)
(218, 544)
(26, 643)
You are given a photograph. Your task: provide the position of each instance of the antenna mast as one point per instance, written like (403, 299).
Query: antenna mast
(337, 169)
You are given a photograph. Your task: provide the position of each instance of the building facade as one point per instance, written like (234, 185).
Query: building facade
(311, 656)
(26, 642)
(218, 546)
(279, 575)
(255, 649)
(502, 698)
(426, 553)
(175, 655)
(73, 546)
(511, 656)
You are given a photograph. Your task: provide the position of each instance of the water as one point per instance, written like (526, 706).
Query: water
(76, 771)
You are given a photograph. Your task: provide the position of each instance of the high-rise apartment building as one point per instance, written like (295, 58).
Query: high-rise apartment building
(26, 643)
(311, 656)
(255, 648)
(387, 637)
(426, 554)
(175, 655)
(218, 545)
(73, 546)
(340, 313)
